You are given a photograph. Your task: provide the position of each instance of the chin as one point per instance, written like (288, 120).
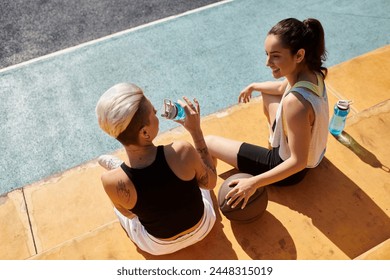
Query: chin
(277, 75)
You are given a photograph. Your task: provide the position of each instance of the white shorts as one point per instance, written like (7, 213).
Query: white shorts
(155, 246)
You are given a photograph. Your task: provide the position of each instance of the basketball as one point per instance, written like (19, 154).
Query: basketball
(253, 210)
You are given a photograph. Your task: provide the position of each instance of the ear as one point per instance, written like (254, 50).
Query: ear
(300, 55)
(144, 133)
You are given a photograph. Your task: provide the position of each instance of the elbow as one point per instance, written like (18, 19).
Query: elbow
(300, 167)
(213, 182)
(299, 164)
(209, 183)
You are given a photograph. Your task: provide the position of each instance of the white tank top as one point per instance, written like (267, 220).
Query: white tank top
(316, 95)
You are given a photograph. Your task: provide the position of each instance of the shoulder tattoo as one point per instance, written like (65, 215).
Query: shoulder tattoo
(122, 191)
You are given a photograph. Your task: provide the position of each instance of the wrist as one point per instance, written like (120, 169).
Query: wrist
(197, 135)
(255, 182)
(251, 87)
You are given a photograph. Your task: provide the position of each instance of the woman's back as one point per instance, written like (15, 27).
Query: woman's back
(166, 205)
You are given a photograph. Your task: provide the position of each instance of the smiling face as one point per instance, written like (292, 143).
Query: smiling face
(279, 59)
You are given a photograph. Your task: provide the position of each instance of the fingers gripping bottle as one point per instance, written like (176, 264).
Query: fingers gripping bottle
(337, 123)
(173, 110)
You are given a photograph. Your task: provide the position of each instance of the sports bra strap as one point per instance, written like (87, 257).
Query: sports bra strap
(316, 89)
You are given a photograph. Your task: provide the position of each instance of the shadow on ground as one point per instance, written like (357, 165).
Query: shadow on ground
(338, 208)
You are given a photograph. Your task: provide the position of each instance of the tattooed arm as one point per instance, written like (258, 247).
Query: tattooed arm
(120, 192)
(206, 173)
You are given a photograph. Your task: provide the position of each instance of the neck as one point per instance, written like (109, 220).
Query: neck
(303, 74)
(140, 156)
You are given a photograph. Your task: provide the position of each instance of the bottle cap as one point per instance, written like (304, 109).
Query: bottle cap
(169, 109)
(343, 104)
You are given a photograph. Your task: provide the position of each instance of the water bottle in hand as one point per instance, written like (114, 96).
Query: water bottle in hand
(173, 110)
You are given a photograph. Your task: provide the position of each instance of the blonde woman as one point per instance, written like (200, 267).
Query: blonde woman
(160, 193)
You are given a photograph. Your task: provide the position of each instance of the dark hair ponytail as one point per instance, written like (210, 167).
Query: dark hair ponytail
(315, 42)
(308, 35)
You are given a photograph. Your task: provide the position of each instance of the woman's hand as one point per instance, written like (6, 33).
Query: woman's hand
(192, 119)
(245, 94)
(243, 190)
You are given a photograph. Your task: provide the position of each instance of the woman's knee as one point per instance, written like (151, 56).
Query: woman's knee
(214, 143)
(210, 141)
(270, 106)
(223, 148)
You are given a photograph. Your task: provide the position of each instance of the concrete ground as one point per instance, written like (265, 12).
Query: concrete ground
(339, 212)
(31, 29)
(47, 109)
(52, 205)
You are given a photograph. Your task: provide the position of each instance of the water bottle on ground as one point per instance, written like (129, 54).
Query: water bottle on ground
(173, 110)
(337, 123)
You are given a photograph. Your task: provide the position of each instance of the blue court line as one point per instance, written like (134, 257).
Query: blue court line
(47, 121)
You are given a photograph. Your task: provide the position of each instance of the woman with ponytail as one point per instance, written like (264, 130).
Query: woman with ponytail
(296, 108)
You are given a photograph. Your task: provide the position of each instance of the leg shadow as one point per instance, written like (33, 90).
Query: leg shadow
(337, 207)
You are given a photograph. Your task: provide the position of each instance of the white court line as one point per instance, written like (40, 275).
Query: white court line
(341, 97)
(117, 34)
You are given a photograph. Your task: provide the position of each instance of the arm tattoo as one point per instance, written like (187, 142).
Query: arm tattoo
(122, 191)
(204, 153)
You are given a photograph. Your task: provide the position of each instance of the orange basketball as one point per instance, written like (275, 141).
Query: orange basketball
(254, 209)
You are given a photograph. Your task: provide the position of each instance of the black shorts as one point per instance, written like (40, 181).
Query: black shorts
(256, 160)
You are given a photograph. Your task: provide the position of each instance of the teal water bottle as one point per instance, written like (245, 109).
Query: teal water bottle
(337, 123)
(173, 110)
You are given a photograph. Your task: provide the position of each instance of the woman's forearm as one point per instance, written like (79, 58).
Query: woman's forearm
(201, 148)
(269, 87)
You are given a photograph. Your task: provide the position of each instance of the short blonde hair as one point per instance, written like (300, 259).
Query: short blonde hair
(117, 107)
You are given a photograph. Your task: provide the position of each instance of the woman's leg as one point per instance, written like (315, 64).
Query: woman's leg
(270, 106)
(223, 149)
(226, 149)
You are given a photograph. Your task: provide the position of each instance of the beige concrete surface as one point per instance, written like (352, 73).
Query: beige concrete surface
(16, 241)
(340, 210)
(364, 79)
(379, 252)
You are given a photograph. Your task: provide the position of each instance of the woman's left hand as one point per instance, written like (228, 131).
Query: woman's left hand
(243, 190)
(192, 119)
(245, 95)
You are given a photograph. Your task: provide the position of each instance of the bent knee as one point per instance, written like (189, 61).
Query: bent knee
(210, 139)
(212, 142)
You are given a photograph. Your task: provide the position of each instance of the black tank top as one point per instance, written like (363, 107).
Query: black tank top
(166, 205)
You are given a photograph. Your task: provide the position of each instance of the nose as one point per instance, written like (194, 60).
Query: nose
(267, 61)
